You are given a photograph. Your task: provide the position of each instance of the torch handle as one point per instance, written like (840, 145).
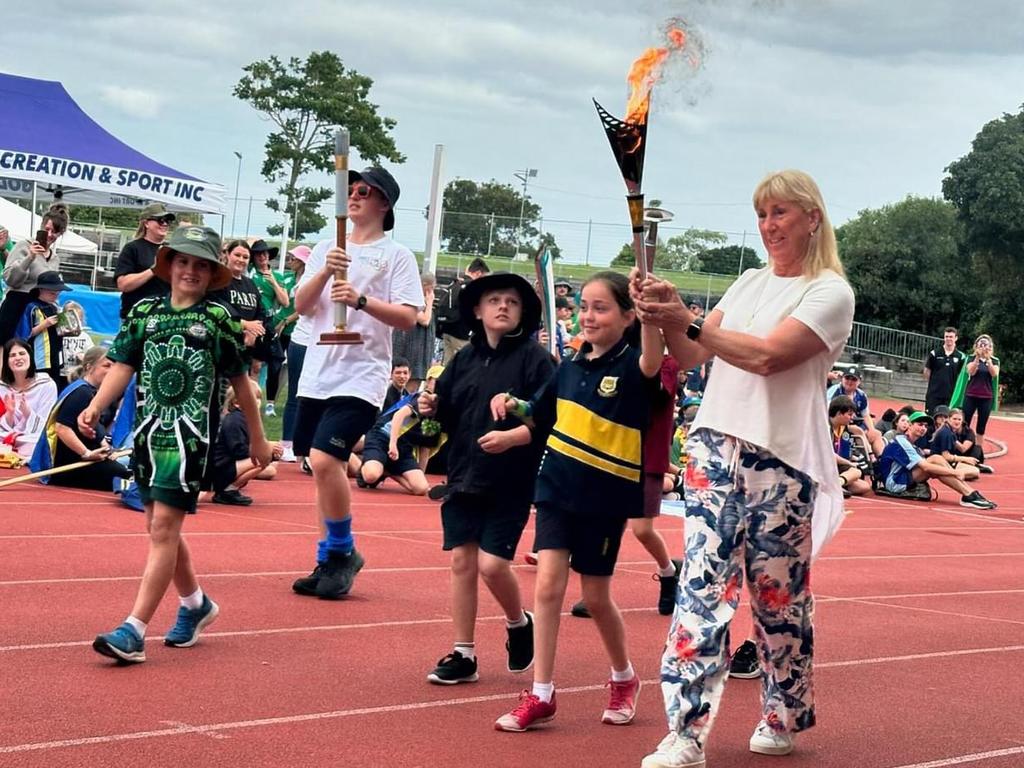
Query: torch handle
(635, 201)
(340, 215)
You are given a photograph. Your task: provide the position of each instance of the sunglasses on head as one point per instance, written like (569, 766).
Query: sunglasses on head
(361, 191)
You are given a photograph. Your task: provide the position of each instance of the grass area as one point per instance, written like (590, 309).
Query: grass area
(688, 282)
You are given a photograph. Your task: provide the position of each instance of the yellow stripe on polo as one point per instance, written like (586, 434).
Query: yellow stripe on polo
(587, 428)
(592, 460)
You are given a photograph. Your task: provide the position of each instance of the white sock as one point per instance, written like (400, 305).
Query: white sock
(466, 650)
(137, 624)
(231, 487)
(544, 691)
(193, 601)
(286, 444)
(667, 571)
(520, 622)
(624, 675)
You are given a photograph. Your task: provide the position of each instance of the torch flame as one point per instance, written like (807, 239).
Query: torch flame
(646, 71)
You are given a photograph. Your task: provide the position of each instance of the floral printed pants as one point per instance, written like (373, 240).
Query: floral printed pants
(746, 512)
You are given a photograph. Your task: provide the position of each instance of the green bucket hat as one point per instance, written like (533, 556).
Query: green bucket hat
(201, 242)
(156, 211)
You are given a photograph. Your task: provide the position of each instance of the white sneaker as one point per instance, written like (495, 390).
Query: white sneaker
(766, 741)
(675, 751)
(269, 410)
(288, 455)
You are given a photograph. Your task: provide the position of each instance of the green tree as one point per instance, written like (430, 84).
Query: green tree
(115, 218)
(484, 218)
(306, 101)
(728, 259)
(680, 253)
(987, 188)
(905, 265)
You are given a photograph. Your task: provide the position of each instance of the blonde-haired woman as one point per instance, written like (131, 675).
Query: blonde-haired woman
(977, 388)
(134, 271)
(758, 475)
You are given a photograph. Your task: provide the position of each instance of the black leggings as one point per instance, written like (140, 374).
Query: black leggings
(274, 366)
(983, 406)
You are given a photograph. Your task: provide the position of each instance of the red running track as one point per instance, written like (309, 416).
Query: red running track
(920, 628)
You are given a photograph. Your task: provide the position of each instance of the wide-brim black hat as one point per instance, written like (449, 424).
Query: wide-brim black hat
(260, 246)
(471, 292)
(384, 183)
(201, 242)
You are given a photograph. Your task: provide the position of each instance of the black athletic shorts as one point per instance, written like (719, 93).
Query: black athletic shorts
(495, 524)
(592, 540)
(333, 425)
(375, 448)
(172, 497)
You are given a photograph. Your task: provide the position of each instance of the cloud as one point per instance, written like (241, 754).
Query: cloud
(136, 102)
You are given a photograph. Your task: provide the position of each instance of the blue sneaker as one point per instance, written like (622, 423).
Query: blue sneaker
(123, 644)
(185, 631)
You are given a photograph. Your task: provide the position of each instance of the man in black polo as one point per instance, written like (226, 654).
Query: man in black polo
(941, 369)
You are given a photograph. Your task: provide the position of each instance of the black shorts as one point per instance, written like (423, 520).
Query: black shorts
(592, 540)
(375, 448)
(333, 426)
(172, 497)
(495, 524)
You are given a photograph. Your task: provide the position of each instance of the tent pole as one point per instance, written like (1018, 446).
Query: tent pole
(284, 245)
(32, 212)
(222, 226)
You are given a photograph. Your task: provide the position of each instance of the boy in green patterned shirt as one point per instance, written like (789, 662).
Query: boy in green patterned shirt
(178, 345)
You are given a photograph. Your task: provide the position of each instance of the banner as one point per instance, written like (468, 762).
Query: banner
(544, 265)
(117, 187)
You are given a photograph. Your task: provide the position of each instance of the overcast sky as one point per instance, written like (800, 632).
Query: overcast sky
(873, 97)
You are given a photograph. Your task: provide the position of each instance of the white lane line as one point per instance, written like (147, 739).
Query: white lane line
(977, 757)
(947, 511)
(181, 729)
(919, 609)
(908, 595)
(196, 534)
(922, 557)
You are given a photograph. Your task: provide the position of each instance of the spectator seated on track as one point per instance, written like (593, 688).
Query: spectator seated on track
(904, 470)
(26, 398)
(63, 443)
(899, 427)
(966, 441)
(391, 448)
(232, 465)
(854, 479)
(849, 385)
(944, 444)
(885, 422)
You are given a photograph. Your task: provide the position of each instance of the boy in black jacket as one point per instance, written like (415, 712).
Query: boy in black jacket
(488, 504)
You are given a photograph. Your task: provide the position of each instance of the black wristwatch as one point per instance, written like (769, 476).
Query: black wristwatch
(361, 302)
(694, 328)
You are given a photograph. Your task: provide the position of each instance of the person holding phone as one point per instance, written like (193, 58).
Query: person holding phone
(28, 260)
(977, 388)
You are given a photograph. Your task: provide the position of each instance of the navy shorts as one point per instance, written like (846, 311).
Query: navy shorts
(495, 524)
(172, 497)
(375, 448)
(592, 540)
(333, 425)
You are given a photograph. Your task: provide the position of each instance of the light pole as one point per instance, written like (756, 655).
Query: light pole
(238, 178)
(524, 176)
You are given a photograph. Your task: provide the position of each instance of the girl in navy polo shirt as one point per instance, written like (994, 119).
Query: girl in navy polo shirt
(594, 413)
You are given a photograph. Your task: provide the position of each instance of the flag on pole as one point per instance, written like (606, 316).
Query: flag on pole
(544, 264)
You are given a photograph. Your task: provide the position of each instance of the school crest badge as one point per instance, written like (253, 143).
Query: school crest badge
(609, 386)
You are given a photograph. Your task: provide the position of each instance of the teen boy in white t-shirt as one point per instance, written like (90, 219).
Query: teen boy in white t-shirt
(342, 386)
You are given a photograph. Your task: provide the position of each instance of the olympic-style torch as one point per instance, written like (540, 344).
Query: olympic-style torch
(339, 335)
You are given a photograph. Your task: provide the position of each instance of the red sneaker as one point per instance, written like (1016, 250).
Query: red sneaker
(530, 711)
(622, 703)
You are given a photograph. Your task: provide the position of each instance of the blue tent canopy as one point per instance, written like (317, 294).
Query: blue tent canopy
(47, 139)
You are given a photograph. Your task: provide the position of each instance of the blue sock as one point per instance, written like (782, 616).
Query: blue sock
(339, 536)
(321, 551)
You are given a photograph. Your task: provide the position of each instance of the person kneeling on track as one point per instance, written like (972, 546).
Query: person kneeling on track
(902, 465)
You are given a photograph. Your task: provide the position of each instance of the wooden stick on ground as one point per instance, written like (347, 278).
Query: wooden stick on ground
(56, 470)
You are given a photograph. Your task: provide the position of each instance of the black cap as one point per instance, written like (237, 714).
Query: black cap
(471, 292)
(561, 302)
(51, 281)
(851, 372)
(383, 182)
(941, 410)
(260, 246)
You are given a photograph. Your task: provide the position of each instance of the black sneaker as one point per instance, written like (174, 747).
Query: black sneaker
(338, 574)
(453, 669)
(976, 500)
(579, 610)
(233, 497)
(305, 466)
(745, 664)
(669, 585)
(438, 492)
(307, 584)
(985, 469)
(520, 646)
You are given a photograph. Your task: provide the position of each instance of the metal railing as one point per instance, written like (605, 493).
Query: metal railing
(879, 340)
